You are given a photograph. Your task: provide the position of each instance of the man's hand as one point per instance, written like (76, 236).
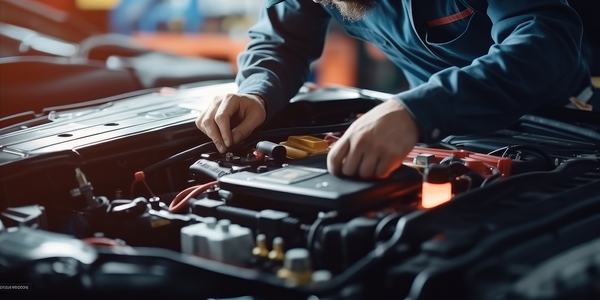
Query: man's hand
(243, 112)
(376, 143)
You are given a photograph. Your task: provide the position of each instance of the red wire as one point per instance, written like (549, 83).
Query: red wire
(139, 177)
(259, 155)
(179, 204)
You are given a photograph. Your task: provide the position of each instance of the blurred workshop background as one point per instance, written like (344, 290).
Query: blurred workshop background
(199, 28)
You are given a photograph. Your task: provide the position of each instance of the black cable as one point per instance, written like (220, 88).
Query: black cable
(451, 160)
(312, 232)
(468, 178)
(534, 149)
(387, 220)
(498, 150)
(496, 174)
(507, 151)
(181, 156)
(232, 212)
(511, 148)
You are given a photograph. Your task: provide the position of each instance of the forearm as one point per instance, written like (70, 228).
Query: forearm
(284, 42)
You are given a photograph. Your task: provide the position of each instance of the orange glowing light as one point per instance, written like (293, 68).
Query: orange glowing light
(436, 194)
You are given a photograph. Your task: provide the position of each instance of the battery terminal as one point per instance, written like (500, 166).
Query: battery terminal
(277, 253)
(261, 247)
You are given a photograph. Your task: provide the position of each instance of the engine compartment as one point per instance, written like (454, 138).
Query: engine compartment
(120, 199)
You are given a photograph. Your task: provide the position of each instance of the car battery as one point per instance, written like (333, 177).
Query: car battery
(306, 185)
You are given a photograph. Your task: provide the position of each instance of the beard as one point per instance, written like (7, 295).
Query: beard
(352, 10)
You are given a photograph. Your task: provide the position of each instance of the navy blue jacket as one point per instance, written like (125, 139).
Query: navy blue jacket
(475, 65)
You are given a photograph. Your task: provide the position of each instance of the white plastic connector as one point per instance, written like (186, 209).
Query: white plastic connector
(221, 241)
(424, 159)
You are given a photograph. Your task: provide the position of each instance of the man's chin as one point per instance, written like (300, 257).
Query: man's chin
(352, 10)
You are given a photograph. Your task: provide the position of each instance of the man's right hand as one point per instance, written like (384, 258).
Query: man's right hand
(243, 112)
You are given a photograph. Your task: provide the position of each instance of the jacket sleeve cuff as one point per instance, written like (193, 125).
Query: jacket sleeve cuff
(431, 108)
(259, 85)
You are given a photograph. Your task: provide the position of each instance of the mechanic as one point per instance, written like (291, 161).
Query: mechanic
(475, 66)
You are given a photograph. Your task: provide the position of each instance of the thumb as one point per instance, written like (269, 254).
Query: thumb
(240, 133)
(245, 128)
(580, 105)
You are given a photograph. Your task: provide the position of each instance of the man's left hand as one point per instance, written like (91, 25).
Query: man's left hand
(376, 144)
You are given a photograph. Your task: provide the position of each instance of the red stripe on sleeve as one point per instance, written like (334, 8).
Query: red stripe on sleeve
(451, 18)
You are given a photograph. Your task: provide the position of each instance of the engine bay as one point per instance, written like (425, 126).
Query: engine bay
(127, 198)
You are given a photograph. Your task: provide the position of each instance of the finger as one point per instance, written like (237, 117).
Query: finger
(223, 118)
(205, 112)
(211, 129)
(245, 128)
(201, 118)
(575, 102)
(386, 165)
(199, 122)
(352, 162)
(580, 105)
(336, 156)
(368, 165)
